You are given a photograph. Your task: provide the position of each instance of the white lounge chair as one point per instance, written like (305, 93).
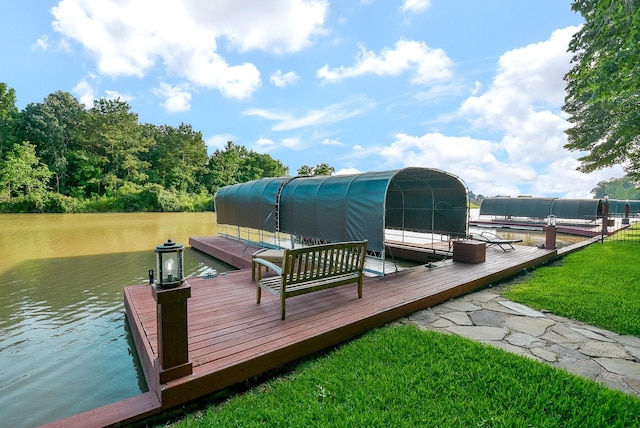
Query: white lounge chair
(492, 239)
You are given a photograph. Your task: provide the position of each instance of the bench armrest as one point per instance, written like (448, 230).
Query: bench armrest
(277, 269)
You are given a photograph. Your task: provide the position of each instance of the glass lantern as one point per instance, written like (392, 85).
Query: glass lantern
(170, 264)
(551, 220)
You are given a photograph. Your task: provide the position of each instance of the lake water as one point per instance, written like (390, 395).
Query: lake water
(64, 343)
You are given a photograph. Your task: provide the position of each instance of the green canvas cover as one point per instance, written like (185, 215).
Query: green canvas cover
(541, 208)
(349, 207)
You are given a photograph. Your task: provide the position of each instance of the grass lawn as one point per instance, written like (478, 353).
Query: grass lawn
(599, 285)
(399, 376)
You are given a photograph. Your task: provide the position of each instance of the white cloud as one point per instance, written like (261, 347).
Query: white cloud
(330, 114)
(41, 44)
(427, 64)
(267, 114)
(560, 177)
(474, 160)
(115, 95)
(85, 93)
(211, 71)
(281, 79)
(523, 102)
(218, 142)
(265, 143)
(292, 143)
(280, 26)
(527, 77)
(415, 5)
(437, 150)
(176, 98)
(347, 171)
(130, 38)
(331, 142)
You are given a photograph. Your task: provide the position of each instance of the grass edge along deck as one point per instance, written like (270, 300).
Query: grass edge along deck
(232, 339)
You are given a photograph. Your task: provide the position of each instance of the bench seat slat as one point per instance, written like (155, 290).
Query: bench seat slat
(273, 284)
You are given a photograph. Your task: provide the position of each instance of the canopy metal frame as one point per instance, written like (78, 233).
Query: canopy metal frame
(289, 211)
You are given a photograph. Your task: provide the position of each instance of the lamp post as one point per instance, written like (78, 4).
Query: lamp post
(550, 233)
(605, 216)
(625, 220)
(171, 296)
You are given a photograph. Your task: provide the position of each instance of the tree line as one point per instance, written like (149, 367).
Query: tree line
(58, 156)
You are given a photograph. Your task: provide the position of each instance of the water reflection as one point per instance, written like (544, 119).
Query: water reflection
(64, 344)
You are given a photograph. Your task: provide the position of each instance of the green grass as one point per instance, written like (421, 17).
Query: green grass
(400, 376)
(599, 285)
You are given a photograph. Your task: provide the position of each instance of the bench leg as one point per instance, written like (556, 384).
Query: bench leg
(258, 294)
(360, 288)
(282, 305)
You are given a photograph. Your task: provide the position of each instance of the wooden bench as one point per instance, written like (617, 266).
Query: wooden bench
(307, 269)
(271, 255)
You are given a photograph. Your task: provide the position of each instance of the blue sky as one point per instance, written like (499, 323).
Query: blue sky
(470, 87)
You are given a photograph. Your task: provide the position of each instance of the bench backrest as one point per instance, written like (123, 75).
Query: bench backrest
(323, 261)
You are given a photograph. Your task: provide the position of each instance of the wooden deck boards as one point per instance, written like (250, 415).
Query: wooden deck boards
(231, 338)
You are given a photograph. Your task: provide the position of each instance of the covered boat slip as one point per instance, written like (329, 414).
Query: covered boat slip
(539, 209)
(288, 211)
(564, 210)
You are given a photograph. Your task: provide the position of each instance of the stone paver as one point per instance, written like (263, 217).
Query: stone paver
(458, 318)
(532, 326)
(522, 309)
(591, 352)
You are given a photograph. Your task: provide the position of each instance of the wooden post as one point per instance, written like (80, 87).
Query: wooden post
(173, 347)
(625, 220)
(550, 237)
(605, 217)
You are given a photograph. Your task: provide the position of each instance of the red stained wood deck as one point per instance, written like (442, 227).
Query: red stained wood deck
(231, 338)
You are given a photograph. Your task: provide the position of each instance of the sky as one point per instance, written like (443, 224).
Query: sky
(472, 88)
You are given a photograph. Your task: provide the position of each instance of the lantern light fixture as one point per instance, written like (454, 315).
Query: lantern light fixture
(551, 220)
(169, 264)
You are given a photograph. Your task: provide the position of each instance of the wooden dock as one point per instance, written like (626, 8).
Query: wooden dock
(231, 338)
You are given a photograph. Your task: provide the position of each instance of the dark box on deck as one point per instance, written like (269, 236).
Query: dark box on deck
(469, 251)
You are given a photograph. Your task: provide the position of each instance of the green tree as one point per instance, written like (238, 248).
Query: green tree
(319, 169)
(603, 89)
(85, 172)
(22, 173)
(235, 164)
(258, 165)
(177, 156)
(54, 126)
(305, 170)
(113, 134)
(8, 114)
(617, 188)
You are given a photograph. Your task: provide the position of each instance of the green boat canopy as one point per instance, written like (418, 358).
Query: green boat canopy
(349, 207)
(541, 208)
(620, 207)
